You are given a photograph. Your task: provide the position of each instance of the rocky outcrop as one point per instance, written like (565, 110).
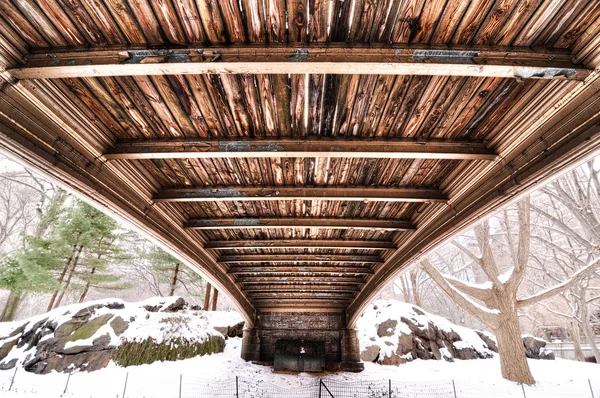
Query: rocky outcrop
(535, 348)
(393, 333)
(88, 337)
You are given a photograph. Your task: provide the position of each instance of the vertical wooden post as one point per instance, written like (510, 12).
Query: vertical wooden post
(454, 388)
(390, 389)
(320, 387)
(125, 386)
(12, 380)
(180, 383)
(67, 385)
(237, 389)
(214, 300)
(207, 296)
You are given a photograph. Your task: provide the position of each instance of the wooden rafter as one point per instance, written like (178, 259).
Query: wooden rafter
(266, 295)
(250, 288)
(299, 244)
(300, 222)
(305, 148)
(299, 270)
(300, 258)
(299, 279)
(301, 59)
(240, 193)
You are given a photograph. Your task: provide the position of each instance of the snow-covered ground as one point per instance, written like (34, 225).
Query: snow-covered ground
(214, 375)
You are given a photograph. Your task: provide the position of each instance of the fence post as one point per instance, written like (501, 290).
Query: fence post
(67, 385)
(454, 388)
(320, 387)
(390, 389)
(125, 386)
(591, 389)
(180, 382)
(237, 387)
(13, 378)
(523, 388)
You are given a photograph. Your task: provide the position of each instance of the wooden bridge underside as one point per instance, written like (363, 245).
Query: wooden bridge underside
(299, 153)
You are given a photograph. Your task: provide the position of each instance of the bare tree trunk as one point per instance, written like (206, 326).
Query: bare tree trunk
(174, 281)
(415, 287)
(10, 309)
(207, 296)
(587, 330)
(214, 300)
(69, 277)
(576, 337)
(513, 362)
(61, 278)
(87, 285)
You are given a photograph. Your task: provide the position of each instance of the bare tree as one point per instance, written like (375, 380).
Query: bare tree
(495, 302)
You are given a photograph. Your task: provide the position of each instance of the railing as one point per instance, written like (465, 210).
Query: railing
(139, 385)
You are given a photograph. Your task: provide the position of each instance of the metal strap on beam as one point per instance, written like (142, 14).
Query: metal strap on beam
(395, 59)
(306, 148)
(299, 244)
(299, 222)
(300, 193)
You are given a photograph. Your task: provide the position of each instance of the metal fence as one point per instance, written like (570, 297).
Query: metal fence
(190, 386)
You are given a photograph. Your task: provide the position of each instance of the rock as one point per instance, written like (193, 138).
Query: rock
(370, 353)
(79, 342)
(488, 339)
(8, 365)
(69, 327)
(387, 328)
(236, 330)
(535, 348)
(119, 325)
(7, 346)
(178, 305)
(88, 329)
(435, 350)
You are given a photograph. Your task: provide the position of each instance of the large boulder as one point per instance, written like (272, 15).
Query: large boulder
(535, 348)
(392, 333)
(88, 337)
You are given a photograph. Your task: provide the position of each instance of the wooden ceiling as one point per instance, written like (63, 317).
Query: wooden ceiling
(299, 152)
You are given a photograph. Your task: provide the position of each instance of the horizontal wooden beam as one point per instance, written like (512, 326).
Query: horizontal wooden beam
(299, 270)
(303, 58)
(300, 222)
(299, 258)
(299, 279)
(305, 148)
(238, 193)
(253, 288)
(299, 244)
(267, 295)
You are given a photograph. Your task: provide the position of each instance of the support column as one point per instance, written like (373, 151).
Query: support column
(251, 345)
(350, 348)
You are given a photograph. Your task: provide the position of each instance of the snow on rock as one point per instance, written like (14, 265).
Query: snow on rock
(90, 335)
(392, 333)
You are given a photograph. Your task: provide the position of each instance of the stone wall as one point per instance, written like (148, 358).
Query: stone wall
(312, 326)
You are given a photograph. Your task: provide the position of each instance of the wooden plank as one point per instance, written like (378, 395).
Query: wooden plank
(301, 288)
(318, 59)
(245, 193)
(299, 244)
(305, 148)
(299, 270)
(344, 280)
(299, 222)
(267, 295)
(299, 258)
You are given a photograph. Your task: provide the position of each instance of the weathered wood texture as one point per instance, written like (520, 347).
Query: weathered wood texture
(321, 121)
(316, 59)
